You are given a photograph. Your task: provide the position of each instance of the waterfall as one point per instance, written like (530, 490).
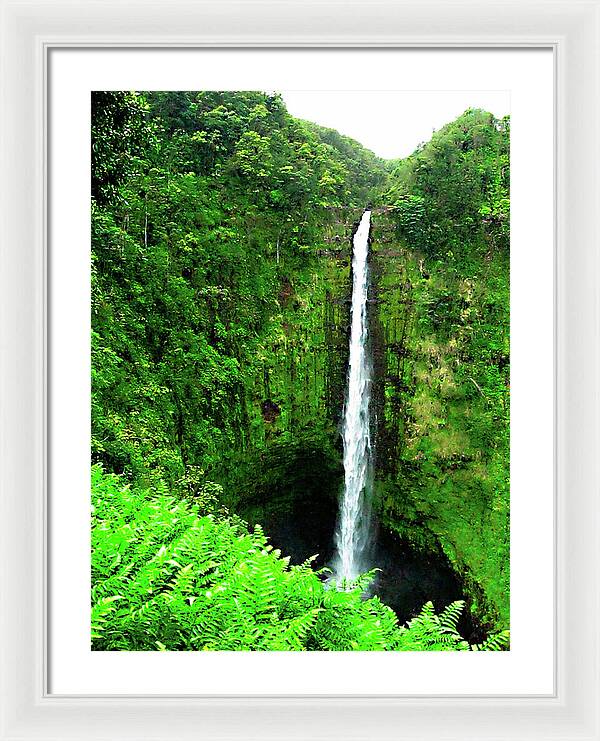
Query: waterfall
(353, 524)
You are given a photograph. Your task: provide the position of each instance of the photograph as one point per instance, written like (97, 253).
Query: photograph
(300, 370)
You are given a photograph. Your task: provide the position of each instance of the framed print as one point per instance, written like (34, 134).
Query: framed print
(317, 303)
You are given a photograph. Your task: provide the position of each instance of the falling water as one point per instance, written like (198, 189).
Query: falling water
(352, 532)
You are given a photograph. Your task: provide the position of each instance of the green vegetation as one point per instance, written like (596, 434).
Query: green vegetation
(453, 192)
(443, 289)
(167, 578)
(203, 264)
(220, 278)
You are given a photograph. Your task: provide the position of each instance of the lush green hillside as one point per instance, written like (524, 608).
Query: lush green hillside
(220, 284)
(210, 211)
(442, 282)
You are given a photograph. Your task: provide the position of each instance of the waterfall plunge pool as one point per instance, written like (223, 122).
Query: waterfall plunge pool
(408, 578)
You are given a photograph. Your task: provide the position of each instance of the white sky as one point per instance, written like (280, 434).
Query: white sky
(391, 123)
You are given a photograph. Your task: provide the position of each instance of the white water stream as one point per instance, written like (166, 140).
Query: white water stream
(353, 525)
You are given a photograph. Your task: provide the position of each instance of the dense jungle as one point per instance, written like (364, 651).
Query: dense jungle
(221, 279)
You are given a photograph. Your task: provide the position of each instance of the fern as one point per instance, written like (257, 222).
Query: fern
(498, 642)
(165, 578)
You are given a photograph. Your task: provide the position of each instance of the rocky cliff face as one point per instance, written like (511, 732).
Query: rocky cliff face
(440, 334)
(288, 471)
(437, 482)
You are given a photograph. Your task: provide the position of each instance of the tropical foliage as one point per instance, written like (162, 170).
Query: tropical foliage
(167, 577)
(220, 278)
(455, 188)
(194, 236)
(444, 303)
